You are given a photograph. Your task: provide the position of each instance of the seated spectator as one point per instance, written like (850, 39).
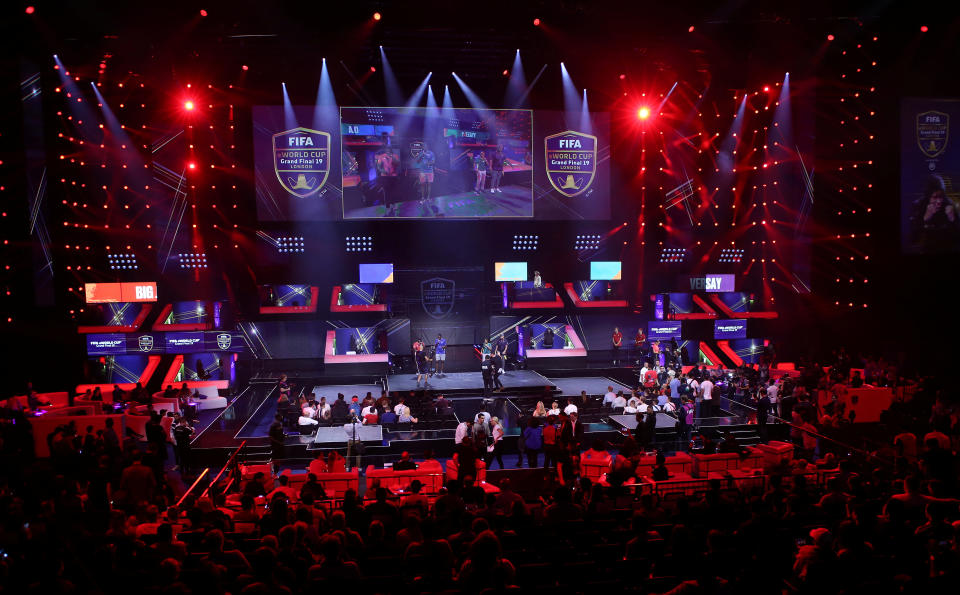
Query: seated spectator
(283, 489)
(405, 463)
(609, 397)
(619, 401)
(485, 566)
(333, 566)
(312, 489)
(370, 415)
(562, 509)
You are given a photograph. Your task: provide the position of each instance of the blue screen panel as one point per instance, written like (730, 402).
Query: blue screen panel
(606, 270)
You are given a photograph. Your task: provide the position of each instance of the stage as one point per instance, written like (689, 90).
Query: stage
(470, 382)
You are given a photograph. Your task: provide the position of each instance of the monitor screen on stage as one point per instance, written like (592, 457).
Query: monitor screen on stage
(661, 330)
(376, 273)
(510, 271)
(103, 293)
(429, 163)
(605, 270)
(730, 329)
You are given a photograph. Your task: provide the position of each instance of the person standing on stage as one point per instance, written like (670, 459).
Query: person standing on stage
(440, 353)
(496, 169)
(420, 357)
(638, 345)
(486, 349)
(501, 348)
(486, 369)
(283, 386)
(480, 167)
(497, 362)
(537, 280)
(617, 343)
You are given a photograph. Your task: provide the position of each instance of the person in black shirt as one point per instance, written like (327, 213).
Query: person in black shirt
(404, 464)
(486, 369)
(277, 438)
(181, 435)
(497, 362)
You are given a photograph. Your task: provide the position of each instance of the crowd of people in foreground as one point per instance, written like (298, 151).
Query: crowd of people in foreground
(104, 516)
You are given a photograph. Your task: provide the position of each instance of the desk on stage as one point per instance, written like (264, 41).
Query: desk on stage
(339, 434)
(453, 382)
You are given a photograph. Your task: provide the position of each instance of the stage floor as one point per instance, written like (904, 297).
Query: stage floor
(594, 385)
(468, 381)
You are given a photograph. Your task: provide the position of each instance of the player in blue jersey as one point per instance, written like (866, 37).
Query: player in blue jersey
(440, 353)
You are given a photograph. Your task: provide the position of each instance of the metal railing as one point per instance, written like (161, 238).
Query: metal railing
(230, 464)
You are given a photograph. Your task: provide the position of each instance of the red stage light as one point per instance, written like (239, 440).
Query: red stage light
(924, 29)
(373, 69)
(245, 67)
(830, 37)
(536, 22)
(623, 76)
(191, 165)
(766, 89)
(506, 72)
(691, 29)
(377, 16)
(643, 113)
(30, 10)
(203, 13)
(188, 105)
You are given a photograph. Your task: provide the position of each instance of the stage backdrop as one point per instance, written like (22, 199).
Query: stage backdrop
(929, 176)
(371, 163)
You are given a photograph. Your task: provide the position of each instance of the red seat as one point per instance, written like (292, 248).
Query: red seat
(704, 464)
(430, 475)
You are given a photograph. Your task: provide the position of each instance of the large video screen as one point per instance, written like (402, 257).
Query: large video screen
(376, 273)
(664, 329)
(735, 328)
(510, 271)
(415, 163)
(605, 270)
(929, 166)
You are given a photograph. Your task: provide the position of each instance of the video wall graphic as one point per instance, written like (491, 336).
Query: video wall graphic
(929, 176)
(414, 163)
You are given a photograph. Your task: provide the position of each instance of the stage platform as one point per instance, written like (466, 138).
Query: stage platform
(339, 435)
(664, 420)
(470, 382)
(330, 391)
(594, 385)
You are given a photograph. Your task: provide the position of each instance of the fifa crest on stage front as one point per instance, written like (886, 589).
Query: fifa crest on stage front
(301, 159)
(224, 340)
(933, 131)
(437, 296)
(571, 161)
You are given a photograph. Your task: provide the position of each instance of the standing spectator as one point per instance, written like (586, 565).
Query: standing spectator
(532, 440)
(138, 482)
(550, 435)
(495, 449)
(182, 434)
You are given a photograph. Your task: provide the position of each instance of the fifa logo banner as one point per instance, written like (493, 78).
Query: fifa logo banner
(571, 161)
(933, 130)
(301, 159)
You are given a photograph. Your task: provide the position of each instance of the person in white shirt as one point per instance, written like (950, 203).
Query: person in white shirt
(609, 397)
(309, 411)
(307, 421)
(462, 430)
(323, 409)
(643, 407)
(619, 400)
(570, 408)
(669, 406)
(632, 404)
(706, 392)
(643, 372)
(554, 409)
(773, 395)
